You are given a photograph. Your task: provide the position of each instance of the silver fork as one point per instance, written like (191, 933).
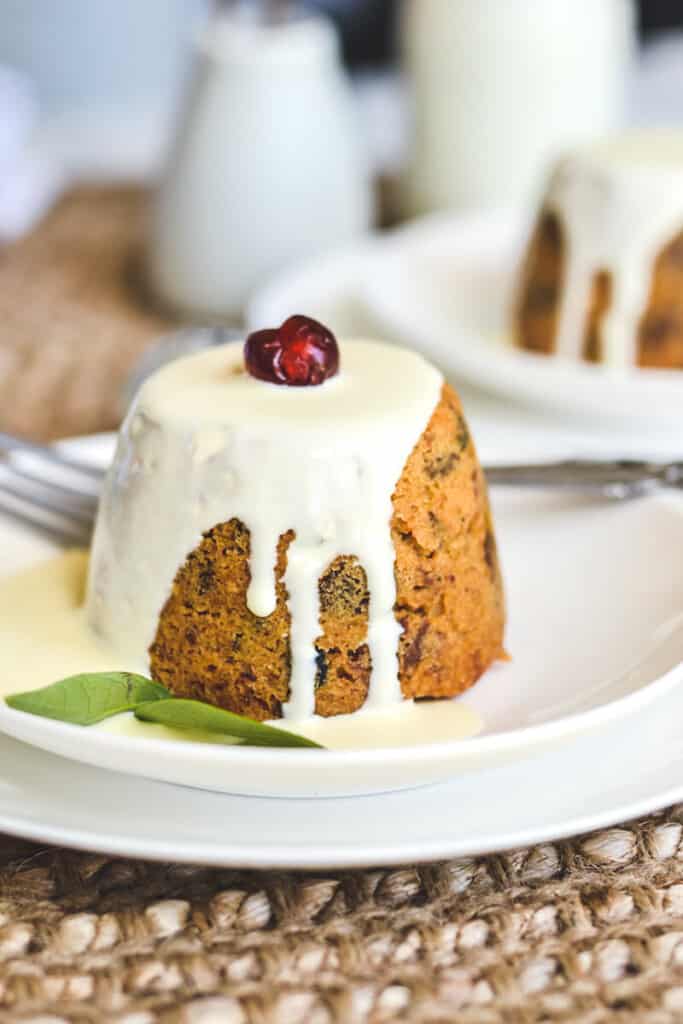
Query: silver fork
(617, 480)
(55, 493)
(52, 492)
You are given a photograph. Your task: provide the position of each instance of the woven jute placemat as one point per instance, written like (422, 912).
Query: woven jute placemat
(587, 930)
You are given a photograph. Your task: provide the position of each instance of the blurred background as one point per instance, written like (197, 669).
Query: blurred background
(99, 82)
(161, 162)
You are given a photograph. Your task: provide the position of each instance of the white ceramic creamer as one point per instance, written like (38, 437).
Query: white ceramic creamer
(500, 88)
(266, 169)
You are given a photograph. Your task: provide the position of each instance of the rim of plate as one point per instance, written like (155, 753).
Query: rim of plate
(470, 748)
(290, 856)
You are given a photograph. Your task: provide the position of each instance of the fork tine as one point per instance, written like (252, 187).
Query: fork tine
(10, 444)
(68, 532)
(72, 494)
(52, 504)
(32, 493)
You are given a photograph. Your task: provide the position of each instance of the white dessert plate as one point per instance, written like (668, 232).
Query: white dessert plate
(595, 594)
(445, 285)
(631, 767)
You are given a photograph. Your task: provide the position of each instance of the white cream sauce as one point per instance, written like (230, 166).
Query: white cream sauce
(44, 636)
(206, 442)
(619, 202)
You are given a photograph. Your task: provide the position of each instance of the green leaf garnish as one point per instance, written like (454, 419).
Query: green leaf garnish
(89, 698)
(193, 714)
(93, 696)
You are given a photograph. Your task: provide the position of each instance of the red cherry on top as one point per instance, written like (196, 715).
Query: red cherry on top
(301, 352)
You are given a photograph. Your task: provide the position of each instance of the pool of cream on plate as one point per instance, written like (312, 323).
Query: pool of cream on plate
(44, 637)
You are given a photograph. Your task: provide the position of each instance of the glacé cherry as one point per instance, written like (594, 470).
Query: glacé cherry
(299, 353)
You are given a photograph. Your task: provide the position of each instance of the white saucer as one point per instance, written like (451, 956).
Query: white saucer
(630, 768)
(444, 285)
(595, 594)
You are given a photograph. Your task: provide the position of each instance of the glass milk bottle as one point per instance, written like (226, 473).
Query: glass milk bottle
(266, 168)
(500, 87)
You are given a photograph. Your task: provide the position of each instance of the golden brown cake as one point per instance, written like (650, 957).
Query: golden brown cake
(449, 599)
(602, 277)
(353, 566)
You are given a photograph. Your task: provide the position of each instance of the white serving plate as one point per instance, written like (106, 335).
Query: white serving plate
(444, 285)
(595, 594)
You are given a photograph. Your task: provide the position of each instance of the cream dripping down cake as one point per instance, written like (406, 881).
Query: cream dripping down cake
(602, 279)
(294, 527)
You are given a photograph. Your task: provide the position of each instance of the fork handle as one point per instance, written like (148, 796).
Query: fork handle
(618, 479)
